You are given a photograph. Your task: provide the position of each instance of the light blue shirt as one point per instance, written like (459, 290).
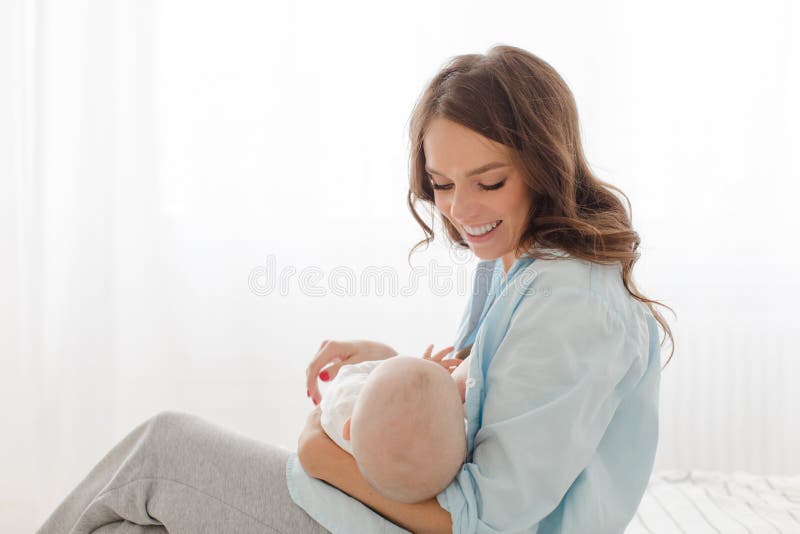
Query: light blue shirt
(561, 407)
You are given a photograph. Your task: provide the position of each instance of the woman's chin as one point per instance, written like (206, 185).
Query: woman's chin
(484, 253)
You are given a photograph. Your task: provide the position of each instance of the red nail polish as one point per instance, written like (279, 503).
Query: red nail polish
(308, 393)
(315, 402)
(324, 376)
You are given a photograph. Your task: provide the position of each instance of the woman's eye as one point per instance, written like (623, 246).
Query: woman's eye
(492, 187)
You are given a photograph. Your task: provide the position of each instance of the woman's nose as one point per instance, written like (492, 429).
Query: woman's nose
(463, 206)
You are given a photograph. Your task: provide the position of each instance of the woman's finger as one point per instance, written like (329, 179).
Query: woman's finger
(427, 354)
(311, 366)
(329, 373)
(331, 351)
(316, 356)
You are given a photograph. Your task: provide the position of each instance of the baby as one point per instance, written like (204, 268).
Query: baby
(402, 419)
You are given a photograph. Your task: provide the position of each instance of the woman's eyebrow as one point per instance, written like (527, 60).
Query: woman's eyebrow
(473, 172)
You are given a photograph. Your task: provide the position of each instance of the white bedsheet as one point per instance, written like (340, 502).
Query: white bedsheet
(711, 502)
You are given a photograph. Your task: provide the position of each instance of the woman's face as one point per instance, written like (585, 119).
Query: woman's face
(473, 193)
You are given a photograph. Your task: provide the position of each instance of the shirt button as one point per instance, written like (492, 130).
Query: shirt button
(470, 382)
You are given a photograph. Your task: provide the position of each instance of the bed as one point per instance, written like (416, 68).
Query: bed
(698, 502)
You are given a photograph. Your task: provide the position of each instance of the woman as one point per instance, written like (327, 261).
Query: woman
(564, 359)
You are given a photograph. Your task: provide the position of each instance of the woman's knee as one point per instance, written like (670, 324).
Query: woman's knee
(170, 418)
(169, 425)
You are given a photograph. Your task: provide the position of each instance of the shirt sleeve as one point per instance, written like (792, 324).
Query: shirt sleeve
(551, 390)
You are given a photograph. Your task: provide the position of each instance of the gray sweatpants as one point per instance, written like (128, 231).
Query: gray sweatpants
(180, 474)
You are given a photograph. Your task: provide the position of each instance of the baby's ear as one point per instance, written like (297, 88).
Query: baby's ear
(346, 430)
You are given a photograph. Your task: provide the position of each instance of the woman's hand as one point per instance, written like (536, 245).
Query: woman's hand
(338, 353)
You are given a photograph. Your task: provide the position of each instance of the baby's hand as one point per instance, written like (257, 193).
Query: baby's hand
(454, 365)
(449, 364)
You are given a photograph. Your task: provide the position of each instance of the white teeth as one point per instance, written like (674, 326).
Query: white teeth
(480, 230)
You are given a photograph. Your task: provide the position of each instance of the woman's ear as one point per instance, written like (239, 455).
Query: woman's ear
(346, 430)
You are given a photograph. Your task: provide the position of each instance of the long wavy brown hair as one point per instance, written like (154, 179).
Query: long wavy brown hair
(513, 97)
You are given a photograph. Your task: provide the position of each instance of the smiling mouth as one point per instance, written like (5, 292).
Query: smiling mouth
(481, 230)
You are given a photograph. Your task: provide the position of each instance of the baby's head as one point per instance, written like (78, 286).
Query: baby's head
(407, 429)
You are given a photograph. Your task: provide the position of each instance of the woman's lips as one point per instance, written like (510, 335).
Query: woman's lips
(482, 238)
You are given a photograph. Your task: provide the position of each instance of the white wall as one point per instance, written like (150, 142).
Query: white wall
(155, 154)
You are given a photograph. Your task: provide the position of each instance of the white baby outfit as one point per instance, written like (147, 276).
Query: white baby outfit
(340, 398)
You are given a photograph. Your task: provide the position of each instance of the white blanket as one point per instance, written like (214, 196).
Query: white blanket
(699, 502)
